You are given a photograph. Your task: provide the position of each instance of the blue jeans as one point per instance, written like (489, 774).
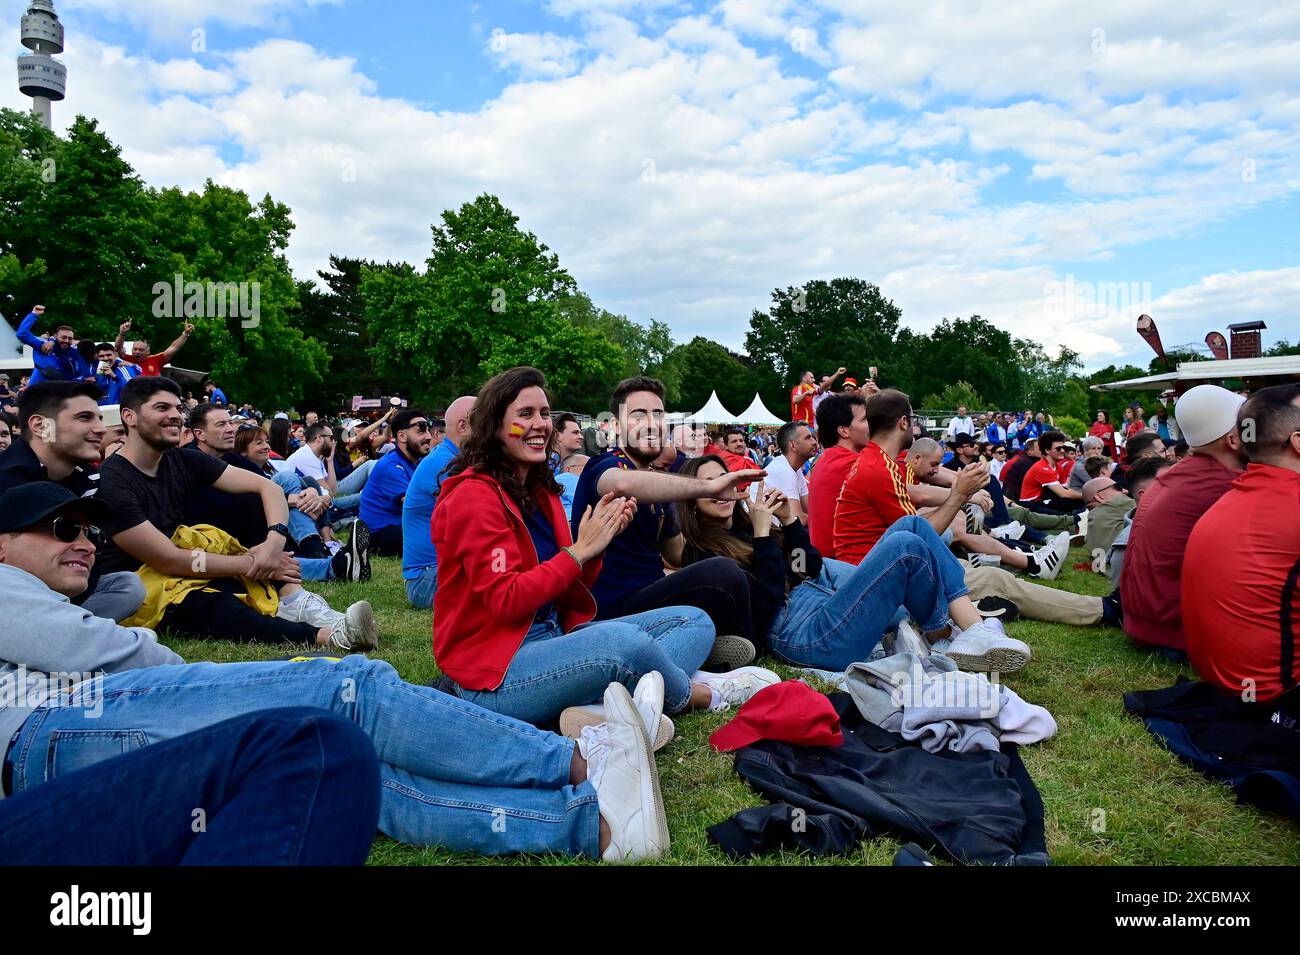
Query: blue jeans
(451, 773)
(280, 787)
(838, 619)
(553, 670)
(117, 596)
(348, 491)
(300, 525)
(420, 590)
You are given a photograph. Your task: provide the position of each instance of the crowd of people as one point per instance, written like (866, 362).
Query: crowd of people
(587, 585)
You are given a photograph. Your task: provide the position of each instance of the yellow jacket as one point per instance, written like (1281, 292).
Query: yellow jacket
(163, 591)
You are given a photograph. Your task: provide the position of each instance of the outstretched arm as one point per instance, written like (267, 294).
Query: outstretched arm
(181, 339)
(658, 487)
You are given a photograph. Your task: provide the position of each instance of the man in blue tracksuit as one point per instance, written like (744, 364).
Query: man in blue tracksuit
(56, 359)
(111, 373)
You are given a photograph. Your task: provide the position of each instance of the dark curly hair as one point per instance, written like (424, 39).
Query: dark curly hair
(482, 450)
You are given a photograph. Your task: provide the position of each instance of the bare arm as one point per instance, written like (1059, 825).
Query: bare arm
(358, 441)
(179, 343)
(151, 546)
(658, 487)
(1060, 490)
(924, 495)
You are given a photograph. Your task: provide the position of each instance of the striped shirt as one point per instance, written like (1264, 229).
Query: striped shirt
(874, 496)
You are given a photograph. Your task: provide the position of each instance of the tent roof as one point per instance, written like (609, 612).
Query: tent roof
(758, 414)
(713, 412)
(1191, 371)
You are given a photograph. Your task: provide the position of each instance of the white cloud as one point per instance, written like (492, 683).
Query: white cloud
(535, 54)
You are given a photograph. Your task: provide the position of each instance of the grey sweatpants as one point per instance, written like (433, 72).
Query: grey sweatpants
(1034, 600)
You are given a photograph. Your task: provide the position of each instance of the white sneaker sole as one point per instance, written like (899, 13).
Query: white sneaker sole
(995, 660)
(619, 701)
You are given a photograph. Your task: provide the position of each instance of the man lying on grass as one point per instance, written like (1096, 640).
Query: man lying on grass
(451, 773)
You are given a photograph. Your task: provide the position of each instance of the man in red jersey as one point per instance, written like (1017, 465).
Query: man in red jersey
(843, 433)
(1241, 602)
(149, 365)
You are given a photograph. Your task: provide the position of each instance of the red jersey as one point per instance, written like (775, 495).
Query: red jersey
(1039, 475)
(824, 484)
(1241, 603)
(801, 403)
(1150, 588)
(1063, 471)
(874, 496)
(151, 366)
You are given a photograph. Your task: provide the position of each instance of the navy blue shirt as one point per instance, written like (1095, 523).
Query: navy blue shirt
(543, 535)
(632, 560)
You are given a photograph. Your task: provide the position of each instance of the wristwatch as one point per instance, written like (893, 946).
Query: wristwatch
(280, 529)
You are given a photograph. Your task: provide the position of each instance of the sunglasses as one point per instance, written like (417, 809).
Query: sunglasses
(420, 426)
(67, 530)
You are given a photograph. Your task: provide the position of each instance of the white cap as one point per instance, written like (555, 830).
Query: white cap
(1206, 413)
(281, 415)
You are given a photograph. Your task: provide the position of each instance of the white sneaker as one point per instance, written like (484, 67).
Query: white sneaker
(356, 631)
(984, 649)
(649, 700)
(310, 608)
(984, 560)
(735, 687)
(1051, 556)
(1008, 532)
(621, 767)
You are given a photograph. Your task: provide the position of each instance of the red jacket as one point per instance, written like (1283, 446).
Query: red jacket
(490, 584)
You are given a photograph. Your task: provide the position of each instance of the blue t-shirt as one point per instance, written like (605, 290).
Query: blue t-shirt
(568, 485)
(417, 512)
(381, 498)
(632, 560)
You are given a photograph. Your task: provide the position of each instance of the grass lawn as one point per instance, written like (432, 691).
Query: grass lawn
(1112, 794)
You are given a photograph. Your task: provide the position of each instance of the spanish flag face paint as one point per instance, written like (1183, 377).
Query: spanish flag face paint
(517, 430)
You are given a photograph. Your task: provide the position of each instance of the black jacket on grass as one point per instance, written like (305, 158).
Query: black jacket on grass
(975, 808)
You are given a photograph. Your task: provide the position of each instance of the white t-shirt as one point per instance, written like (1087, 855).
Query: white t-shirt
(307, 462)
(958, 426)
(784, 478)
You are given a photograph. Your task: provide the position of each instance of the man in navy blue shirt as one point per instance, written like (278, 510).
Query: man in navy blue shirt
(419, 559)
(632, 578)
(385, 490)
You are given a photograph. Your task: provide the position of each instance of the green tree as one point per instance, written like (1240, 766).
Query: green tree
(971, 349)
(486, 302)
(821, 326)
(952, 397)
(644, 348)
(1046, 379)
(704, 366)
(219, 236)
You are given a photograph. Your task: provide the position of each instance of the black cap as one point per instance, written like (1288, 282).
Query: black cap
(962, 440)
(29, 504)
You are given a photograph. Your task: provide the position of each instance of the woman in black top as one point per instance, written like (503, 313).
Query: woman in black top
(819, 612)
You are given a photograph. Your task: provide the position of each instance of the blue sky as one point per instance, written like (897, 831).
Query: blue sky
(684, 158)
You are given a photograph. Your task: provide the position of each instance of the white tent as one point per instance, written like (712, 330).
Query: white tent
(757, 414)
(713, 412)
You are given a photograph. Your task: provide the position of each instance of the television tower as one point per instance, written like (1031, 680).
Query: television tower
(40, 75)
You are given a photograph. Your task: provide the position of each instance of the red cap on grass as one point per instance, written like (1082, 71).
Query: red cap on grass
(792, 712)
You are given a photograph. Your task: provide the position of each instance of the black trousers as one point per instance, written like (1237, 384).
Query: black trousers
(387, 541)
(718, 586)
(216, 613)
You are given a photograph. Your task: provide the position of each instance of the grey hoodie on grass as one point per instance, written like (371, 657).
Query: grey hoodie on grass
(48, 644)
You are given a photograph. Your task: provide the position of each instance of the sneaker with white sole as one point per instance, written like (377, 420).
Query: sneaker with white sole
(308, 607)
(621, 768)
(649, 700)
(1008, 532)
(984, 560)
(983, 649)
(735, 687)
(1051, 556)
(730, 651)
(356, 631)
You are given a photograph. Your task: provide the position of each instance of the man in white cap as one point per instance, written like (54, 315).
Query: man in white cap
(1151, 583)
(1242, 571)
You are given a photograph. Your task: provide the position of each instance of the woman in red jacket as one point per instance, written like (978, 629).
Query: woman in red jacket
(512, 611)
(1102, 428)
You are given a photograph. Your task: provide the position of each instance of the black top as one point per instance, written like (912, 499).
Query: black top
(1013, 475)
(161, 501)
(543, 535)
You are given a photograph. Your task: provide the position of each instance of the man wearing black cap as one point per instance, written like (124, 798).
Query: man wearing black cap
(60, 433)
(79, 690)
